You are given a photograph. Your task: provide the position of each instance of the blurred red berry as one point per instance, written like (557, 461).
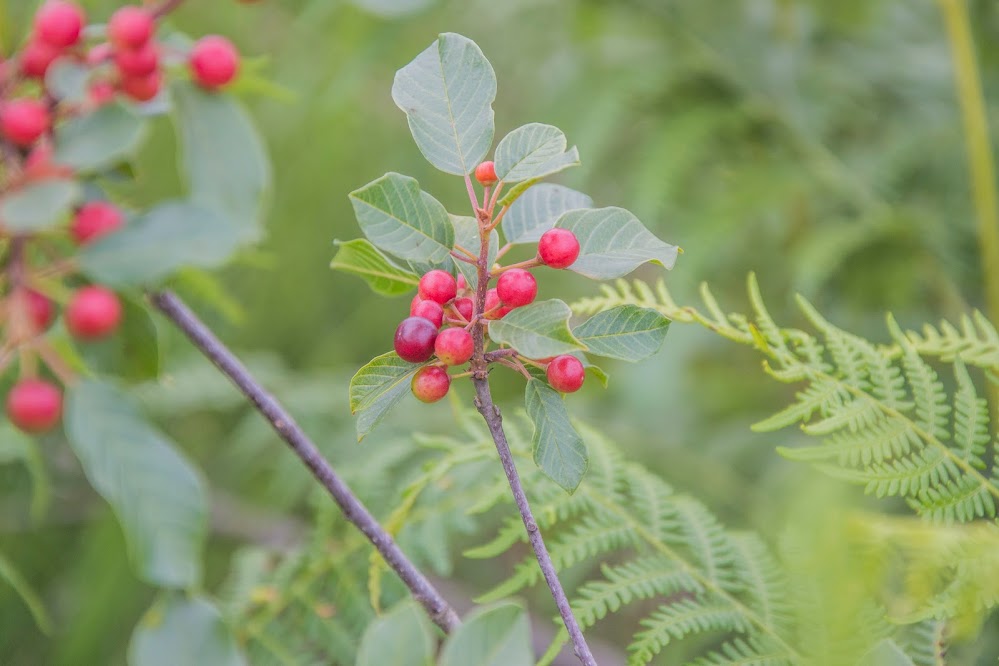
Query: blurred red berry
(36, 58)
(214, 62)
(23, 121)
(141, 61)
(142, 88)
(131, 27)
(40, 308)
(34, 406)
(95, 219)
(59, 23)
(93, 312)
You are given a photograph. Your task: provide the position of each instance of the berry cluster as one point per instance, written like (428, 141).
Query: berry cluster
(126, 60)
(444, 311)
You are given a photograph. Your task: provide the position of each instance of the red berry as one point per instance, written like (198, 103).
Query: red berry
(36, 58)
(439, 286)
(558, 248)
(59, 23)
(92, 313)
(493, 304)
(39, 165)
(34, 405)
(516, 287)
(142, 88)
(95, 219)
(485, 173)
(214, 62)
(23, 121)
(566, 373)
(414, 339)
(141, 61)
(454, 346)
(101, 92)
(503, 311)
(431, 383)
(464, 307)
(99, 54)
(412, 304)
(131, 27)
(462, 283)
(431, 311)
(40, 308)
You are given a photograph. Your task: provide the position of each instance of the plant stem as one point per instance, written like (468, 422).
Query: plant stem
(978, 143)
(285, 426)
(494, 421)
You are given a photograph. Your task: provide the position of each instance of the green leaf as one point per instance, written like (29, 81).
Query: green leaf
(157, 495)
(497, 635)
(224, 158)
(133, 352)
(171, 235)
(447, 93)
(400, 218)
(20, 585)
(363, 259)
(401, 637)
(537, 211)
(98, 140)
(39, 205)
(538, 330)
(627, 332)
(558, 449)
(66, 80)
(15, 446)
(466, 234)
(533, 151)
(377, 387)
(613, 243)
(179, 630)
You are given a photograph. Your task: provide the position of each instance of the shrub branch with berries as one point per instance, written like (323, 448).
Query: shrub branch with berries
(471, 313)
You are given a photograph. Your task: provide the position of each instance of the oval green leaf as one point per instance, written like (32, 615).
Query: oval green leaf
(401, 637)
(157, 495)
(538, 210)
(39, 205)
(447, 94)
(538, 330)
(497, 635)
(66, 80)
(627, 332)
(359, 257)
(533, 151)
(558, 449)
(99, 140)
(177, 630)
(377, 387)
(613, 242)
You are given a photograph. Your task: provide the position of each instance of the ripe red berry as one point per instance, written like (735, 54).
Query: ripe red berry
(142, 88)
(93, 312)
(36, 58)
(438, 285)
(464, 307)
(414, 339)
(141, 61)
(558, 248)
(431, 311)
(130, 27)
(38, 165)
(40, 308)
(492, 306)
(566, 373)
(454, 346)
(516, 287)
(214, 62)
(431, 383)
(95, 219)
(34, 405)
(59, 23)
(23, 121)
(412, 304)
(101, 92)
(462, 283)
(485, 173)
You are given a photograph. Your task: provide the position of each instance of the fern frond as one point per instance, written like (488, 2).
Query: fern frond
(924, 642)
(764, 584)
(742, 652)
(974, 340)
(680, 619)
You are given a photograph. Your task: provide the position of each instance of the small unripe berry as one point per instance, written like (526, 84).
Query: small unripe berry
(558, 248)
(40, 308)
(36, 58)
(59, 23)
(464, 307)
(431, 311)
(516, 287)
(142, 88)
(492, 306)
(414, 339)
(431, 383)
(438, 285)
(214, 62)
(34, 405)
(566, 374)
(131, 27)
(485, 173)
(454, 346)
(23, 121)
(95, 219)
(93, 312)
(141, 61)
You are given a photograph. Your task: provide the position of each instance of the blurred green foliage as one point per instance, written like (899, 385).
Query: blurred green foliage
(817, 142)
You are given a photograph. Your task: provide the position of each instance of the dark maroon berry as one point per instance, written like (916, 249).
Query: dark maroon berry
(414, 339)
